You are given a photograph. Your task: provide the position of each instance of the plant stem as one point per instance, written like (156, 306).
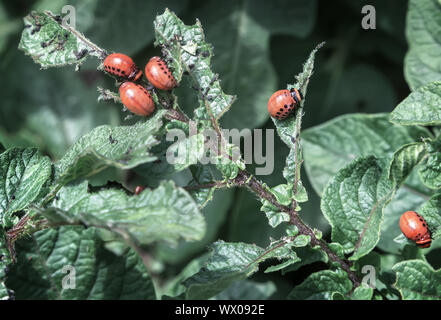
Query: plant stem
(256, 186)
(244, 178)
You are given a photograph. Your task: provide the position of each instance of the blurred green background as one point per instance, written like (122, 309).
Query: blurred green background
(259, 47)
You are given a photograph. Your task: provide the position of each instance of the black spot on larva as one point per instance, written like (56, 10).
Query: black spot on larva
(36, 28)
(123, 72)
(118, 70)
(286, 106)
(113, 68)
(281, 109)
(421, 220)
(424, 225)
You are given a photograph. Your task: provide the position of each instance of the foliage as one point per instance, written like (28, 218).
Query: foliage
(69, 159)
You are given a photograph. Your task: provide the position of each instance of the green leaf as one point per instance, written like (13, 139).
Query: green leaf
(404, 160)
(321, 285)
(274, 215)
(228, 263)
(307, 255)
(301, 240)
(216, 214)
(99, 274)
(362, 293)
(353, 203)
(285, 253)
(166, 213)
(5, 262)
(181, 148)
(169, 31)
(401, 239)
(53, 44)
(338, 296)
(421, 107)
(416, 280)
(4, 295)
(431, 211)
(292, 230)
(23, 172)
(423, 22)
(122, 147)
(330, 146)
(229, 167)
(338, 249)
(283, 194)
(430, 173)
(201, 175)
(281, 266)
(187, 151)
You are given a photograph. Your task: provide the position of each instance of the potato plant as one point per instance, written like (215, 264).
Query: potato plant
(73, 227)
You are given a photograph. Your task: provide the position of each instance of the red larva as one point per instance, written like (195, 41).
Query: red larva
(139, 189)
(159, 75)
(283, 102)
(136, 98)
(415, 228)
(120, 65)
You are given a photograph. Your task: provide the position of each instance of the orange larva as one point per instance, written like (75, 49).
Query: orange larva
(159, 75)
(136, 98)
